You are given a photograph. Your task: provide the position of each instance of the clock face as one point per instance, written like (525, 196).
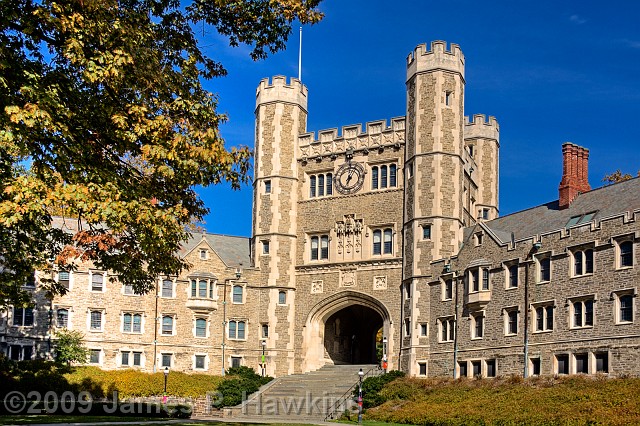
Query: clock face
(349, 178)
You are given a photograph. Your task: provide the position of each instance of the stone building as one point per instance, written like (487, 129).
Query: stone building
(382, 241)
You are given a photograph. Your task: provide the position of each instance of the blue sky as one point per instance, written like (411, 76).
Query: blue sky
(549, 71)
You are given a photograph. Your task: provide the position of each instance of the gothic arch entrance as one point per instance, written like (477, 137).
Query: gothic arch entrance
(344, 329)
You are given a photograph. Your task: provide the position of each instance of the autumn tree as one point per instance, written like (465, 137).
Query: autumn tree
(616, 177)
(104, 121)
(70, 347)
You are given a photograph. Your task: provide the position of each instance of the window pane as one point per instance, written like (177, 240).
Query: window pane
(329, 184)
(513, 276)
(201, 327)
(588, 262)
(94, 356)
(137, 323)
(577, 258)
(237, 294)
(426, 232)
(392, 176)
(282, 298)
(18, 316)
(63, 279)
(125, 358)
(28, 317)
(491, 368)
(232, 330)
(137, 358)
(200, 361)
(452, 330)
(388, 236)
(194, 289)
(202, 288)
(314, 248)
(312, 186)
(96, 320)
(324, 247)
(240, 329)
(539, 319)
(549, 311)
(588, 312)
(383, 177)
(602, 362)
(545, 269)
(320, 185)
(563, 364)
(96, 281)
(626, 250)
(166, 360)
(448, 289)
(485, 279)
(63, 317)
(126, 322)
(626, 308)
(167, 288)
(577, 314)
(374, 178)
(377, 242)
(582, 364)
(167, 325)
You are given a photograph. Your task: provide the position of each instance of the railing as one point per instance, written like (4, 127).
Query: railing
(340, 405)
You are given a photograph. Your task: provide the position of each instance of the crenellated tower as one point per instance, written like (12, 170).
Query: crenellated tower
(281, 115)
(482, 142)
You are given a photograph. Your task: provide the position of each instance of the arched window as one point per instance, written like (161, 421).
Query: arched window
(63, 317)
(312, 186)
(377, 242)
(201, 327)
(374, 177)
(314, 248)
(320, 185)
(167, 325)
(237, 294)
(393, 180)
(388, 241)
(324, 247)
(282, 297)
(383, 177)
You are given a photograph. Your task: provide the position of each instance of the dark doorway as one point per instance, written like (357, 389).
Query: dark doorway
(350, 335)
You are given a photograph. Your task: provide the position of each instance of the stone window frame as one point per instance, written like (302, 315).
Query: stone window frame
(69, 310)
(171, 356)
(556, 363)
(407, 327)
(103, 320)
(237, 322)
(203, 254)
(476, 362)
(544, 305)
(133, 314)
(69, 281)
(507, 313)
(319, 253)
(573, 364)
(607, 368)
(582, 260)
(378, 178)
(317, 190)
(131, 358)
(447, 323)
(201, 317)
(162, 288)
(628, 241)
(281, 294)
(423, 329)
(34, 317)
(103, 285)
(267, 186)
(446, 286)
(92, 351)
(265, 247)
(127, 290)
(174, 320)
(476, 278)
(508, 274)
(205, 358)
(264, 330)
(459, 369)
(239, 358)
(486, 368)
(543, 262)
(20, 347)
(243, 293)
(386, 248)
(478, 238)
(427, 231)
(581, 301)
(616, 296)
(211, 292)
(473, 324)
(423, 367)
(532, 362)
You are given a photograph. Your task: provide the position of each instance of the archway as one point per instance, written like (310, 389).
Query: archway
(328, 336)
(350, 335)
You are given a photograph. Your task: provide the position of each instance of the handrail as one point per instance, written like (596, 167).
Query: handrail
(347, 395)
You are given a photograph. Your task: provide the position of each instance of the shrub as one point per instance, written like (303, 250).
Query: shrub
(239, 382)
(371, 387)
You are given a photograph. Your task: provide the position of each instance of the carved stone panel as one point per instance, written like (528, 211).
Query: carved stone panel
(317, 287)
(380, 282)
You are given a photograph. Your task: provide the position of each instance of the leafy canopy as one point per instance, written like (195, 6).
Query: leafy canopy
(104, 123)
(70, 347)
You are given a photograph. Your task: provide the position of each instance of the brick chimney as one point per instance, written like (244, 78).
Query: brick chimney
(575, 173)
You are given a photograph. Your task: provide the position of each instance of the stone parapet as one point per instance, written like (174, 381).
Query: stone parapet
(279, 90)
(438, 57)
(377, 135)
(482, 128)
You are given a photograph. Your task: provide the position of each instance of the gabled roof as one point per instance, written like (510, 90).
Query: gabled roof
(605, 202)
(234, 251)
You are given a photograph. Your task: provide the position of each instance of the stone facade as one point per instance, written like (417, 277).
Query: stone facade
(382, 241)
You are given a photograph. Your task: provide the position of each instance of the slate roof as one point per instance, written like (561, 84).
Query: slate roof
(234, 251)
(606, 201)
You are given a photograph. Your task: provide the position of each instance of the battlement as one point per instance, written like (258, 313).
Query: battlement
(377, 135)
(438, 57)
(278, 89)
(480, 127)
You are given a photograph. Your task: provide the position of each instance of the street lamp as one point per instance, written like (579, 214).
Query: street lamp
(264, 360)
(384, 354)
(360, 376)
(166, 376)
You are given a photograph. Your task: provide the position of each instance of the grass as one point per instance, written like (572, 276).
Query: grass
(574, 400)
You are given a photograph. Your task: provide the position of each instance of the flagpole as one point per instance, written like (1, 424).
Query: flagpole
(300, 57)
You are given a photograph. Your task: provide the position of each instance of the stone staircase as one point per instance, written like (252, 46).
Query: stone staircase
(304, 397)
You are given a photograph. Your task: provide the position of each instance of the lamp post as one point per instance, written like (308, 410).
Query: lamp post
(264, 360)
(384, 354)
(166, 376)
(360, 376)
